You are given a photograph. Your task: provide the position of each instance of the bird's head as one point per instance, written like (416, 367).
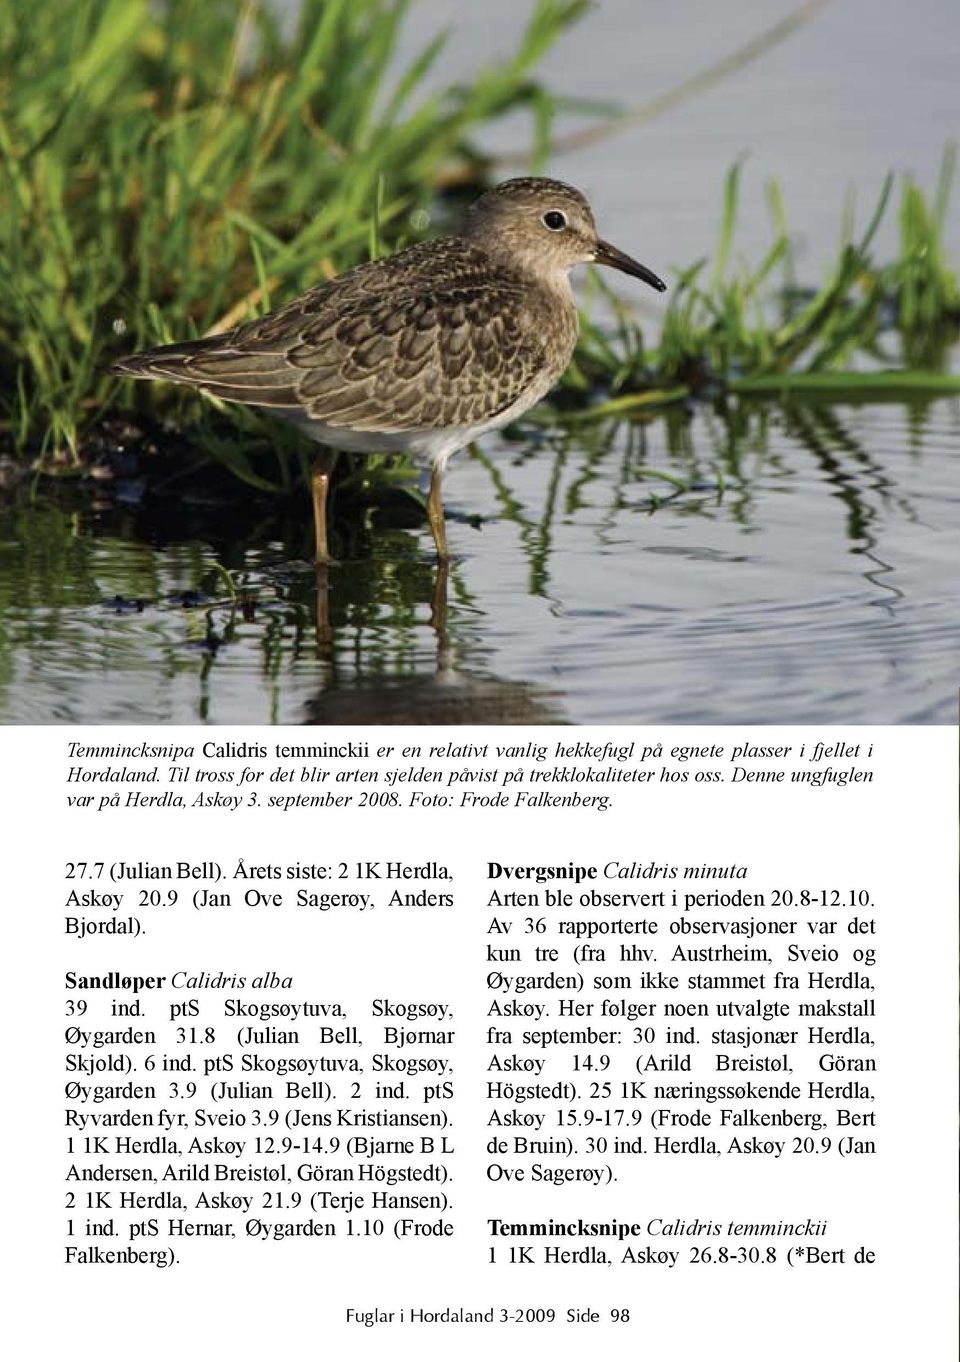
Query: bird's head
(547, 226)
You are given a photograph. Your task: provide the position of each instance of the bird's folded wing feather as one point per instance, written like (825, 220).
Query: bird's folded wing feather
(421, 340)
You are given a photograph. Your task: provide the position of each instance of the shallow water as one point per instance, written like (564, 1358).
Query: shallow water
(809, 576)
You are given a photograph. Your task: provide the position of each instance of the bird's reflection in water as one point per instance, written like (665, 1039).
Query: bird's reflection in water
(447, 695)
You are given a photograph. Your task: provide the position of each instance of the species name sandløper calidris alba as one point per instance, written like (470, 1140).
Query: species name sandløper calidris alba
(423, 351)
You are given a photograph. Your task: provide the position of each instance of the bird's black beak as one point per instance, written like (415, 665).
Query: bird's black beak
(609, 255)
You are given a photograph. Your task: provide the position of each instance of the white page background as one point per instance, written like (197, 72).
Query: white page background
(247, 1299)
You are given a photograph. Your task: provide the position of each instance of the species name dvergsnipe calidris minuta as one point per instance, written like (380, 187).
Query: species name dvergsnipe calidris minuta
(424, 351)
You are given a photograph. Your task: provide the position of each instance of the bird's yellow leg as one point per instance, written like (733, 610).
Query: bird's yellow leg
(320, 491)
(438, 602)
(435, 515)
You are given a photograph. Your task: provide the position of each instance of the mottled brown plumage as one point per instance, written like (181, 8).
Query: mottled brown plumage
(437, 336)
(423, 351)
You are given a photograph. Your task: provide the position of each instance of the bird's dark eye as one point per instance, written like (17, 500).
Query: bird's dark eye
(555, 221)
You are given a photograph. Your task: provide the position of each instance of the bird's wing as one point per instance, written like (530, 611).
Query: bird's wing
(246, 364)
(418, 341)
(442, 357)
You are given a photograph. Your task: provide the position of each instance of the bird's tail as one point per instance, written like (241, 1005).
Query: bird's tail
(163, 361)
(257, 378)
